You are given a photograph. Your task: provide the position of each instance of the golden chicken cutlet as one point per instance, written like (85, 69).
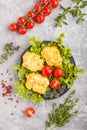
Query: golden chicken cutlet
(37, 82)
(32, 61)
(52, 56)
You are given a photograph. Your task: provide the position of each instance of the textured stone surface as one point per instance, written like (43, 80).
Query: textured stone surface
(76, 38)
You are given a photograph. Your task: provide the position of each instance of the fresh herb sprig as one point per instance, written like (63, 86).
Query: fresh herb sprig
(76, 11)
(62, 114)
(9, 50)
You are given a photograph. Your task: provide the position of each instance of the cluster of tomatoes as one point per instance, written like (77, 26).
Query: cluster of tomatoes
(42, 9)
(56, 72)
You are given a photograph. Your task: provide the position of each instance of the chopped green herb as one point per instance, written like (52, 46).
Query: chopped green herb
(9, 50)
(62, 114)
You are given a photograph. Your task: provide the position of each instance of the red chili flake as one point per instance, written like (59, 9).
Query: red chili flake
(15, 106)
(5, 81)
(11, 79)
(12, 114)
(5, 102)
(3, 85)
(11, 99)
(10, 86)
(2, 81)
(9, 95)
(3, 94)
(7, 70)
(17, 101)
(7, 88)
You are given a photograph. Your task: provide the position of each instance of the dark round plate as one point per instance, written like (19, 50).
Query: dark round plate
(50, 94)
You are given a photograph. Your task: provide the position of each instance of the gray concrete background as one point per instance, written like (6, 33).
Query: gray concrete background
(76, 38)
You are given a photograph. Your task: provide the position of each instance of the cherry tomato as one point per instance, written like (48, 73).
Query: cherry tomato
(21, 20)
(13, 27)
(54, 3)
(37, 7)
(30, 14)
(22, 30)
(40, 18)
(29, 112)
(46, 71)
(30, 24)
(47, 11)
(43, 1)
(55, 84)
(58, 72)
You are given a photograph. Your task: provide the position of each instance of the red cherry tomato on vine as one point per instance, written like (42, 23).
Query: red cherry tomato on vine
(30, 24)
(43, 1)
(13, 27)
(46, 71)
(54, 3)
(55, 84)
(47, 11)
(37, 7)
(58, 72)
(29, 112)
(40, 18)
(30, 14)
(22, 30)
(21, 20)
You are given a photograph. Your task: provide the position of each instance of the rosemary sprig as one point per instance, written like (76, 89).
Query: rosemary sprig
(62, 114)
(76, 11)
(9, 50)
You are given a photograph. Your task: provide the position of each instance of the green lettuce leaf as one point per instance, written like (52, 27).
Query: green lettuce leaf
(36, 98)
(22, 90)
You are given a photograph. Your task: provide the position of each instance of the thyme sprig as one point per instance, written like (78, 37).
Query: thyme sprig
(76, 11)
(62, 114)
(9, 50)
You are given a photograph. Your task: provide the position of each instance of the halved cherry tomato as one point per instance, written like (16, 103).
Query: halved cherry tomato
(55, 84)
(58, 72)
(30, 24)
(47, 11)
(30, 14)
(13, 27)
(46, 71)
(40, 18)
(21, 20)
(54, 3)
(22, 30)
(29, 112)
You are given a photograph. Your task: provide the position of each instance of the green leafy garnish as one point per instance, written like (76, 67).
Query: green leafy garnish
(70, 74)
(37, 98)
(35, 45)
(76, 11)
(9, 50)
(22, 90)
(68, 66)
(62, 114)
